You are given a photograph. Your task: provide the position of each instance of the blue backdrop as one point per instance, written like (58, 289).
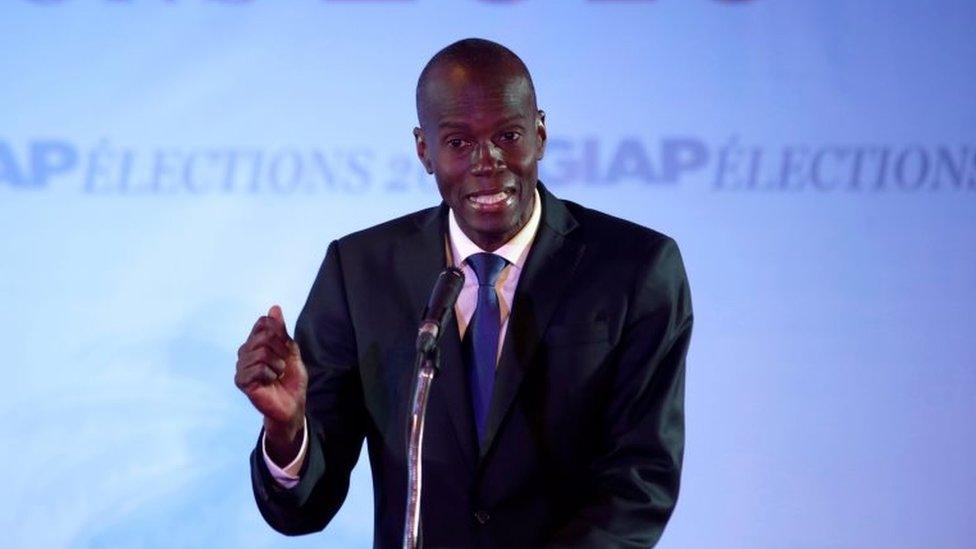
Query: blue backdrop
(170, 169)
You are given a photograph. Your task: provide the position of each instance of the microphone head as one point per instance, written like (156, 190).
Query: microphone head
(456, 275)
(442, 299)
(444, 295)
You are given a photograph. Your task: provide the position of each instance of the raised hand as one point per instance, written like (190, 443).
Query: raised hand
(271, 373)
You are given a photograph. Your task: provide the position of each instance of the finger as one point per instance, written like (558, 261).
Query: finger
(262, 355)
(268, 339)
(276, 364)
(269, 323)
(247, 373)
(255, 375)
(258, 326)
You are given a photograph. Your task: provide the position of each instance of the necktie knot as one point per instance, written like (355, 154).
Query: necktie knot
(487, 267)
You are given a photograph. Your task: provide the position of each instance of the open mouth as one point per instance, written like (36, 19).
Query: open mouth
(490, 200)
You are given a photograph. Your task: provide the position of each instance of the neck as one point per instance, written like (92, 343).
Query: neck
(490, 242)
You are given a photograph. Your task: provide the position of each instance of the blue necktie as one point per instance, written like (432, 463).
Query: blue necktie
(483, 335)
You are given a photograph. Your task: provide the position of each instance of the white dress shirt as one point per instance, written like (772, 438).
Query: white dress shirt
(459, 248)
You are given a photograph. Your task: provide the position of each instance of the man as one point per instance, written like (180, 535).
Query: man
(557, 417)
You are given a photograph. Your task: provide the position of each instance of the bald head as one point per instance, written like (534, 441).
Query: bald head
(481, 135)
(475, 61)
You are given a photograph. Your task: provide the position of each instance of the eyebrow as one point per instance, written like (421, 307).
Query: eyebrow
(464, 126)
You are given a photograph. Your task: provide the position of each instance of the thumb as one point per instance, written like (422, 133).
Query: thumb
(293, 348)
(275, 313)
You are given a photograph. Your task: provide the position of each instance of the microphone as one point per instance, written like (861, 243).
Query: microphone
(442, 299)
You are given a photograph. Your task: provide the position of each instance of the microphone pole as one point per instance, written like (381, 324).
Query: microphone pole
(442, 299)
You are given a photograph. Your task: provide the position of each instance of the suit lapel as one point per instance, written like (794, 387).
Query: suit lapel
(419, 260)
(545, 277)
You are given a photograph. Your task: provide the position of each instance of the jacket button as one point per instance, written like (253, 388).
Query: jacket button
(482, 517)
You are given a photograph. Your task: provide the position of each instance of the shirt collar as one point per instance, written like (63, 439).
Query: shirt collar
(514, 251)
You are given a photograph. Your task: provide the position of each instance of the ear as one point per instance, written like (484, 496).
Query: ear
(540, 132)
(422, 153)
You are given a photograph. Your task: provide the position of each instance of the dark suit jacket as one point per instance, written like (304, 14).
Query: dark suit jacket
(585, 432)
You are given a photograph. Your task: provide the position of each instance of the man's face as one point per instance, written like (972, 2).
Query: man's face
(482, 138)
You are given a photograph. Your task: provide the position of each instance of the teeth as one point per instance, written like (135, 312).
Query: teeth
(490, 198)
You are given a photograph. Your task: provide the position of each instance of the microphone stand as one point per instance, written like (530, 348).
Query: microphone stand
(426, 367)
(442, 299)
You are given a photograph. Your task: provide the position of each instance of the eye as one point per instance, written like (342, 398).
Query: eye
(509, 137)
(455, 143)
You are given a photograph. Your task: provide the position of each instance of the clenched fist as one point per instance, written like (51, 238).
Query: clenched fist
(271, 373)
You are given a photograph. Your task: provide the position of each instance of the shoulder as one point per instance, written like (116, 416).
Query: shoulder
(616, 236)
(386, 236)
(403, 225)
(631, 255)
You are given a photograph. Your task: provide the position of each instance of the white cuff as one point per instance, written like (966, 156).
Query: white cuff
(287, 476)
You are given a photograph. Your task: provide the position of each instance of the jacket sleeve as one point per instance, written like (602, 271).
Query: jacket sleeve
(334, 411)
(633, 484)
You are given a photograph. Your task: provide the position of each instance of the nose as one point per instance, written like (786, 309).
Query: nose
(486, 158)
